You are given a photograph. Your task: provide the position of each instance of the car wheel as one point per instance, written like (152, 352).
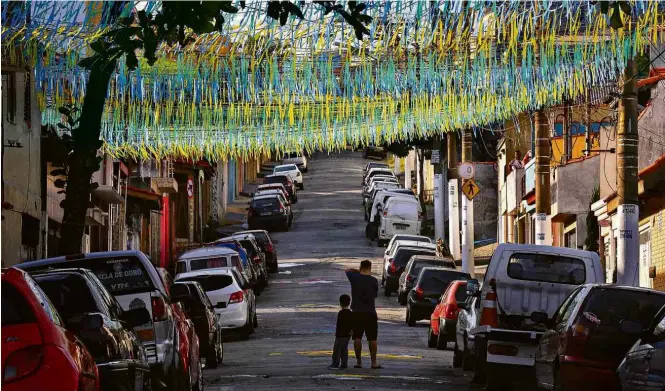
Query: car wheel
(198, 386)
(432, 339)
(458, 358)
(285, 228)
(220, 356)
(255, 321)
(383, 281)
(402, 298)
(386, 291)
(302, 186)
(441, 341)
(247, 330)
(467, 361)
(409, 318)
(211, 357)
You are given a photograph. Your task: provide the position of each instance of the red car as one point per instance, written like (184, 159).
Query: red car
(444, 318)
(38, 353)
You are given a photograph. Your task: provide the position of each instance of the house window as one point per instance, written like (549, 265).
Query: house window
(29, 235)
(10, 82)
(570, 239)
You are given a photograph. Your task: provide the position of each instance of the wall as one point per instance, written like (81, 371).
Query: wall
(572, 186)
(651, 127)
(658, 248)
(21, 170)
(485, 203)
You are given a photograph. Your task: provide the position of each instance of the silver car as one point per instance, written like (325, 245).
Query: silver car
(643, 368)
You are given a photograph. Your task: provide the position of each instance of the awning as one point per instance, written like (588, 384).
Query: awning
(142, 201)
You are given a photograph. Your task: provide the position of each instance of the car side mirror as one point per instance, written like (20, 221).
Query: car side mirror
(472, 288)
(91, 322)
(631, 327)
(135, 317)
(540, 317)
(462, 305)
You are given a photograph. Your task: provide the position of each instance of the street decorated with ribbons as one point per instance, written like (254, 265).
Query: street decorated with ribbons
(257, 87)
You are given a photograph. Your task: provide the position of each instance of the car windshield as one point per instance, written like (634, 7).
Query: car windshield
(403, 255)
(418, 265)
(290, 167)
(208, 263)
(437, 281)
(406, 210)
(120, 275)
(421, 239)
(69, 293)
(460, 293)
(249, 247)
(210, 282)
(15, 309)
(603, 313)
(547, 268)
(276, 179)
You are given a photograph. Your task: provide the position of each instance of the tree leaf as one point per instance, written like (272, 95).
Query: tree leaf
(283, 18)
(87, 62)
(604, 7)
(364, 19)
(243, 4)
(292, 9)
(360, 7)
(274, 9)
(227, 7)
(98, 46)
(625, 7)
(131, 60)
(352, 5)
(64, 110)
(615, 19)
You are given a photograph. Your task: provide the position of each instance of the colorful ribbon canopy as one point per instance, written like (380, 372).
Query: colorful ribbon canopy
(257, 87)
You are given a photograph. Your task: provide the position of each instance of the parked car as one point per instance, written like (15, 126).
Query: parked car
(273, 191)
(374, 151)
(443, 320)
(231, 296)
(98, 320)
(291, 170)
(395, 262)
(255, 254)
(274, 186)
(371, 165)
(643, 368)
(382, 183)
(285, 181)
(412, 270)
(196, 304)
(297, 158)
(263, 211)
(132, 279)
(249, 270)
(464, 351)
(378, 202)
(267, 246)
(394, 241)
(38, 353)
(586, 344)
(209, 257)
(431, 283)
(514, 273)
(376, 171)
(398, 216)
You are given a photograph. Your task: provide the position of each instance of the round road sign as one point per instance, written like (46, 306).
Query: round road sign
(466, 170)
(190, 188)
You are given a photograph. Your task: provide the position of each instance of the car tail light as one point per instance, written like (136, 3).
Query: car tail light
(576, 338)
(158, 309)
(451, 311)
(249, 212)
(419, 292)
(256, 259)
(22, 362)
(502, 350)
(236, 297)
(392, 268)
(269, 247)
(385, 213)
(409, 278)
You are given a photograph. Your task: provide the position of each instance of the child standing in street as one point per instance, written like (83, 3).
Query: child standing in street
(342, 334)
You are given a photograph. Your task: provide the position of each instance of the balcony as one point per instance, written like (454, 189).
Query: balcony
(572, 187)
(108, 193)
(95, 217)
(164, 185)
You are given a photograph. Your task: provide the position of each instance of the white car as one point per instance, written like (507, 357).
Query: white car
(297, 158)
(230, 294)
(292, 171)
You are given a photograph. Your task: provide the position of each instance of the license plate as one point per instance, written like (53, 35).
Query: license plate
(400, 227)
(266, 213)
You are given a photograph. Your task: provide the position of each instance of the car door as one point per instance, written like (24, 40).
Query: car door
(645, 362)
(548, 348)
(209, 311)
(249, 293)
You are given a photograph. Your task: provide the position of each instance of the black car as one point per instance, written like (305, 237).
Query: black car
(374, 151)
(394, 266)
(269, 212)
(412, 271)
(255, 255)
(98, 320)
(430, 285)
(286, 181)
(267, 246)
(196, 304)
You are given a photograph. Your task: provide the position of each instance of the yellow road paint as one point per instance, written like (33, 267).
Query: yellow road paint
(275, 354)
(320, 353)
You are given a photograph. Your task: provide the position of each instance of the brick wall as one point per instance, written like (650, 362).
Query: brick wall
(658, 248)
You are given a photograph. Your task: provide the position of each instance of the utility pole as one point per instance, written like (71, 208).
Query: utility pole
(468, 264)
(439, 231)
(627, 168)
(566, 136)
(407, 171)
(543, 201)
(453, 197)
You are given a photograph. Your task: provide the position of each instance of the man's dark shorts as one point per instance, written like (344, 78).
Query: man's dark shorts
(365, 323)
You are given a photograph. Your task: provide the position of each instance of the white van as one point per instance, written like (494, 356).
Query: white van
(400, 215)
(210, 258)
(530, 282)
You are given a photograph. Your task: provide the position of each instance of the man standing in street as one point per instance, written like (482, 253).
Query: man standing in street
(364, 290)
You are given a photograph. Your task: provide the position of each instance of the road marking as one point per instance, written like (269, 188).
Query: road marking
(349, 376)
(290, 264)
(320, 353)
(275, 354)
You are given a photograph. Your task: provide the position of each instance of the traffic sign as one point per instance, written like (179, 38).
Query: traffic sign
(466, 170)
(470, 189)
(190, 188)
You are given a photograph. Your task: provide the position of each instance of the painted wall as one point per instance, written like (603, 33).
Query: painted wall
(21, 169)
(651, 127)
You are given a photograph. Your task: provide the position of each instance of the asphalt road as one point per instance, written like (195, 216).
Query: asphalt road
(291, 348)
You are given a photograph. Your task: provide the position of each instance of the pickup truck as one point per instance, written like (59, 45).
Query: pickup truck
(522, 288)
